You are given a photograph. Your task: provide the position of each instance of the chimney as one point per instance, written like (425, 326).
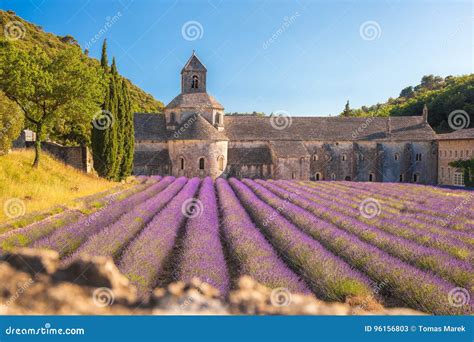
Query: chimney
(389, 126)
(425, 113)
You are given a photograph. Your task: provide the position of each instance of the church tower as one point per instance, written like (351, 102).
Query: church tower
(193, 76)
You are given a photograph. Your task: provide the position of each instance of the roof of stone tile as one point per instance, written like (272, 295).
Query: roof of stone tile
(255, 128)
(150, 127)
(288, 149)
(197, 128)
(194, 64)
(249, 156)
(466, 133)
(195, 100)
(327, 128)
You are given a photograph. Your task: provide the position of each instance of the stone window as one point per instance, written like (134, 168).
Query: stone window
(418, 157)
(318, 176)
(456, 153)
(461, 153)
(220, 163)
(459, 178)
(344, 157)
(416, 178)
(397, 156)
(371, 177)
(400, 178)
(442, 172)
(449, 172)
(201, 163)
(315, 157)
(181, 163)
(450, 153)
(219, 120)
(195, 83)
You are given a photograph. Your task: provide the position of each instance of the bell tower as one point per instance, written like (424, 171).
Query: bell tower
(193, 76)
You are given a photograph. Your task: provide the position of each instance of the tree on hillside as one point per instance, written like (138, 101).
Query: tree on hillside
(119, 122)
(407, 92)
(11, 122)
(50, 88)
(104, 60)
(347, 110)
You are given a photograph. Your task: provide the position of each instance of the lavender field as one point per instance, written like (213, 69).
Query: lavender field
(393, 244)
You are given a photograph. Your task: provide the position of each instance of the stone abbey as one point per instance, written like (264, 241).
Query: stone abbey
(195, 138)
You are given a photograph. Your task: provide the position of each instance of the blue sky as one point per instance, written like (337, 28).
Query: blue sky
(302, 57)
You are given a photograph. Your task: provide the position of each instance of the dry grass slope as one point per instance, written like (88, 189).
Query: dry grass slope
(53, 183)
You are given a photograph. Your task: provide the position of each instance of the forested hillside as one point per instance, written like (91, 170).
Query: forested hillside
(441, 95)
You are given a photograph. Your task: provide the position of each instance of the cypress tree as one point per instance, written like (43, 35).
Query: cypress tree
(104, 131)
(119, 122)
(104, 61)
(128, 134)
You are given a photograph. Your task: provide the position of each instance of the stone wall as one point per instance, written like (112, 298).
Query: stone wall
(449, 151)
(78, 157)
(192, 151)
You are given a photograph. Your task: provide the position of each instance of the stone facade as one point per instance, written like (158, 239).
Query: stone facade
(453, 147)
(194, 138)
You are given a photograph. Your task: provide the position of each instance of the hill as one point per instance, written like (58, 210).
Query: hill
(53, 183)
(441, 95)
(35, 35)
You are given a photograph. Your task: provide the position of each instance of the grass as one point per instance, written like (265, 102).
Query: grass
(27, 190)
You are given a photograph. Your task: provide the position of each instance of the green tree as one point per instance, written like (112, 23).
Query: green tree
(104, 61)
(50, 88)
(468, 168)
(407, 92)
(11, 122)
(128, 134)
(347, 110)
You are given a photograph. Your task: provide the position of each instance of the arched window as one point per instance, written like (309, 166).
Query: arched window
(371, 177)
(400, 178)
(195, 83)
(397, 156)
(315, 157)
(416, 178)
(201, 163)
(181, 163)
(344, 157)
(172, 118)
(220, 163)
